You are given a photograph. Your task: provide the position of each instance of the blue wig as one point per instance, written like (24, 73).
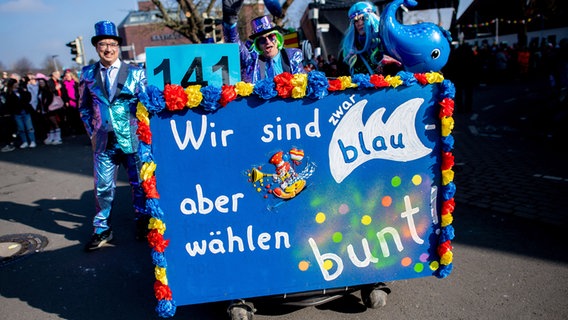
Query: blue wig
(372, 40)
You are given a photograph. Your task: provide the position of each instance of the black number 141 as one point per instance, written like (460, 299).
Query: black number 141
(195, 67)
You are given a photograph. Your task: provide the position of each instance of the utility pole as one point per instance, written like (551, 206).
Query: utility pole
(55, 62)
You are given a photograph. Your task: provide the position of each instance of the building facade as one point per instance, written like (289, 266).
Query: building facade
(141, 29)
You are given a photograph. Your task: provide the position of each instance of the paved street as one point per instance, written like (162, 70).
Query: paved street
(510, 257)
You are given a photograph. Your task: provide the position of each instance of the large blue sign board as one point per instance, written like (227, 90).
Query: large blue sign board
(266, 197)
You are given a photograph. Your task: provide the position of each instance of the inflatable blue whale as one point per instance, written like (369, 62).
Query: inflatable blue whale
(423, 47)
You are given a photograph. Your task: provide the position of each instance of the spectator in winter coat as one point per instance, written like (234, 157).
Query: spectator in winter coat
(18, 103)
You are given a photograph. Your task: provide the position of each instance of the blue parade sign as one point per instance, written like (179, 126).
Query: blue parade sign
(279, 196)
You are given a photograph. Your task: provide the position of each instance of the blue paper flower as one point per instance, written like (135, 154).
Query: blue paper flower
(407, 78)
(159, 259)
(166, 308)
(211, 97)
(448, 90)
(444, 270)
(447, 233)
(317, 85)
(153, 208)
(449, 190)
(153, 99)
(363, 81)
(448, 143)
(145, 152)
(265, 89)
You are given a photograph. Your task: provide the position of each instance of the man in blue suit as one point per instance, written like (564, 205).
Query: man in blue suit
(109, 91)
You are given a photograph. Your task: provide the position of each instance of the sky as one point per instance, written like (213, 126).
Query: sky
(39, 29)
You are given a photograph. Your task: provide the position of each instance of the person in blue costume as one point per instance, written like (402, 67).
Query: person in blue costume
(109, 91)
(361, 50)
(266, 57)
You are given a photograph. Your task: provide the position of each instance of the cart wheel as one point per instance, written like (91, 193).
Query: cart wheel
(375, 296)
(241, 310)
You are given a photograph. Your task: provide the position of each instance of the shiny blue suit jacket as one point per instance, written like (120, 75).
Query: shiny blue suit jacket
(102, 115)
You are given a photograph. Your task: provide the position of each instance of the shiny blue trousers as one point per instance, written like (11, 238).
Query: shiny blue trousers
(106, 165)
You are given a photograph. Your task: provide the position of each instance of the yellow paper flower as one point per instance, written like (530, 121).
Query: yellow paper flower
(447, 126)
(142, 113)
(244, 89)
(160, 274)
(434, 77)
(147, 170)
(447, 176)
(300, 83)
(158, 225)
(393, 81)
(447, 219)
(194, 96)
(346, 82)
(447, 258)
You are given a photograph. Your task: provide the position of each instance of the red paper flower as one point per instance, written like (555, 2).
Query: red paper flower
(162, 291)
(421, 77)
(448, 206)
(334, 84)
(228, 94)
(378, 80)
(175, 97)
(149, 187)
(284, 85)
(144, 133)
(447, 160)
(156, 240)
(447, 109)
(444, 247)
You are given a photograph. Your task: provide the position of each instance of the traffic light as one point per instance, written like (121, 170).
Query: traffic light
(213, 30)
(76, 50)
(219, 31)
(209, 29)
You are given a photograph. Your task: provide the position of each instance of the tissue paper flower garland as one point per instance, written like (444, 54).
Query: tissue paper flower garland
(313, 85)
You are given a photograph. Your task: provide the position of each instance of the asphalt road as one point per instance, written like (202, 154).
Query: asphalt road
(508, 263)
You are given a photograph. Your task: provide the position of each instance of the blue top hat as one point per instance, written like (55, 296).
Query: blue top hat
(261, 25)
(105, 30)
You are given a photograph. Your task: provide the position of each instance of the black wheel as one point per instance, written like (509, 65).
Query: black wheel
(241, 310)
(375, 296)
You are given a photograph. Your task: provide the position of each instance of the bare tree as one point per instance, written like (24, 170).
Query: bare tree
(187, 17)
(22, 66)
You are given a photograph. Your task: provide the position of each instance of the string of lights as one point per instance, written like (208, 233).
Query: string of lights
(500, 20)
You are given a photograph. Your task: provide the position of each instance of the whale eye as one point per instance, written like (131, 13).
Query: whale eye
(435, 54)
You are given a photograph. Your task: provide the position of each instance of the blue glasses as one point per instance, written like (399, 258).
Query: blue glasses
(262, 40)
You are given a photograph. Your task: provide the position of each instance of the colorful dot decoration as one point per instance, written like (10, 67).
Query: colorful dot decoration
(366, 220)
(320, 217)
(386, 201)
(396, 181)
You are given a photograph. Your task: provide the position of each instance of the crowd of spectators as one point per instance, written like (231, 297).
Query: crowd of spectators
(25, 116)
